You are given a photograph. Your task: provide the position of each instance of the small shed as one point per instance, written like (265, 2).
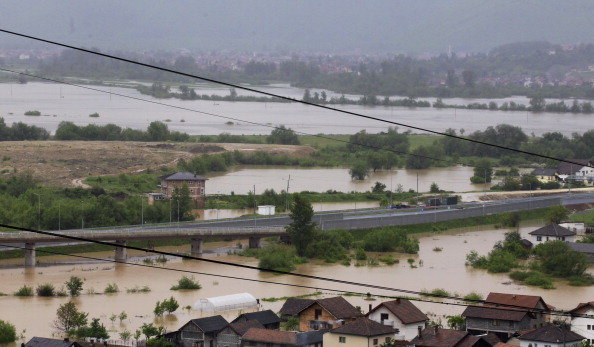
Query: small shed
(266, 210)
(226, 303)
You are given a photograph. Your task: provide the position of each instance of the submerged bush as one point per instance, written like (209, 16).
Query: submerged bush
(186, 283)
(24, 291)
(46, 289)
(111, 288)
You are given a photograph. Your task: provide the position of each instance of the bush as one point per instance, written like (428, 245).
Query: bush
(473, 296)
(385, 240)
(46, 289)
(438, 292)
(7, 332)
(32, 113)
(437, 249)
(280, 258)
(540, 280)
(111, 288)
(360, 254)
(74, 285)
(388, 259)
(186, 283)
(581, 281)
(24, 291)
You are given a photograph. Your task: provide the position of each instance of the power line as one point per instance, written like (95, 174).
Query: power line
(356, 114)
(552, 312)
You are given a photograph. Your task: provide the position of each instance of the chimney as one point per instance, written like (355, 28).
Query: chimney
(398, 300)
(419, 329)
(369, 307)
(435, 329)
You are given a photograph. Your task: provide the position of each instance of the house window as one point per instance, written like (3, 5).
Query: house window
(318, 313)
(375, 342)
(547, 238)
(562, 238)
(341, 339)
(383, 317)
(539, 238)
(589, 327)
(495, 322)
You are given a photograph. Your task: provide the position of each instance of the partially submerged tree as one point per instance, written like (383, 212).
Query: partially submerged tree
(302, 228)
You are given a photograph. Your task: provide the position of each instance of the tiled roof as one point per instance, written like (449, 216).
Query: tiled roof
(565, 168)
(494, 313)
(270, 336)
(364, 327)
(551, 333)
(527, 301)
(583, 307)
(339, 307)
(242, 327)
(439, 337)
(405, 310)
(183, 176)
(293, 306)
(210, 324)
(582, 247)
(552, 230)
(264, 317)
(47, 342)
(544, 172)
(311, 337)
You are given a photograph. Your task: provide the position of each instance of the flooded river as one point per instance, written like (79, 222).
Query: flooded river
(69, 103)
(443, 269)
(242, 179)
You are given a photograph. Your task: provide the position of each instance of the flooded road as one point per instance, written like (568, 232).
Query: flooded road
(242, 179)
(69, 103)
(444, 269)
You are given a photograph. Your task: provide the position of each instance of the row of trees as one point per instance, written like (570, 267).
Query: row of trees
(156, 131)
(21, 132)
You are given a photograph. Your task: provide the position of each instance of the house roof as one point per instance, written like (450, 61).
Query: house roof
(552, 230)
(337, 306)
(264, 317)
(544, 172)
(405, 310)
(483, 312)
(47, 342)
(242, 327)
(270, 336)
(210, 324)
(582, 247)
(565, 168)
(439, 337)
(364, 326)
(551, 333)
(582, 307)
(528, 301)
(311, 337)
(183, 176)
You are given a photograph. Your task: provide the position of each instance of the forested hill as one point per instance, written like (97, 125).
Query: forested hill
(394, 26)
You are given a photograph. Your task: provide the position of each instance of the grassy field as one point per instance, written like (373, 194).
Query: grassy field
(584, 217)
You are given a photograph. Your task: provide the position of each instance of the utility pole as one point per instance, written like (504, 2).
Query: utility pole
(38, 211)
(178, 209)
(417, 182)
(287, 198)
(141, 210)
(170, 211)
(255, 207)
(59, 217)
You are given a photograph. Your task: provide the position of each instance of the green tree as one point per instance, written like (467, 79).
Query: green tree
(283, 136)
(537, 103)
(556, 214)
(434, 188)
(170, 305)
(95, 330)
(69, 318)
(158, 131)
(419, 159)
(159, 309)
(483, 172)
(302, 229)
(556, 258)
(292, 324)
(378, 187)
(181, 203)
(359, 171)
(74, 285)
(7, 332)
(456, 322)
(149, 330)
(469, 78)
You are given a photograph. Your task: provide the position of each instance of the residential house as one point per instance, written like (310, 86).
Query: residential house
(402, 315)
(578, 227)
(545, 175)
(439, 337)
(201, 332)
(506, 314)
(195, 184)
(327, 313)
(230, 336)
(267, 318)
(583, 325)
(585, 248)
(550, 335)
(581, 171)
(363, 332)
(551, 232)
(276, 338)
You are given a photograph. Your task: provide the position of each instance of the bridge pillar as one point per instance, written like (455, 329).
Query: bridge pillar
(120, 252)
(30, 258)
(196, 247)
(254, 242)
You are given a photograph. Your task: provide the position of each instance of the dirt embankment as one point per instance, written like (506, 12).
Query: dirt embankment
(67, 163)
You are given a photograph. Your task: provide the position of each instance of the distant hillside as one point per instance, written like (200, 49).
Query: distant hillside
(395, 26)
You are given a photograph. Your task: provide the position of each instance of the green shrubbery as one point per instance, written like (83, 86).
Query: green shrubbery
(186, 283)
(7, 332)
(386, 240)
(46, 289)
(24, 291)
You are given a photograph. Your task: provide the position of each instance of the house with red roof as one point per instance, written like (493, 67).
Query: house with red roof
(582, 322)
(401, 315)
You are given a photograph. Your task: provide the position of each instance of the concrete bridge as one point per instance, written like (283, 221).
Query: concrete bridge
(122, 235)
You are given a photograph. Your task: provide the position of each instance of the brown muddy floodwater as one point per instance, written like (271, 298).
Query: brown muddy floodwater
(443, 269)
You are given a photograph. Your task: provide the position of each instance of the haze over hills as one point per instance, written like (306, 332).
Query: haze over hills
(342, 26)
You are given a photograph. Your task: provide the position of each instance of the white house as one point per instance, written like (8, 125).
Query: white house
(401, 315)
(550, 335)
(583, 325)
(552, 232)
(581, 171)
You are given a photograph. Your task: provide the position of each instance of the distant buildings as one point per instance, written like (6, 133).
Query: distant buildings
(327, 313)
(401, 315)
(551, 336)
(581, 323)
(169, 183)
(360, 332)
(567, 172)
(551, 232)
